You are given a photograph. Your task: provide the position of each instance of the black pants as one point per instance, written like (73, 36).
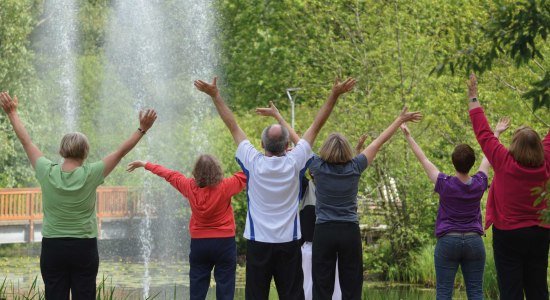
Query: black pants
(342, 241)
(282, 261)
(521, 260)
(69, 264)
(217, 253)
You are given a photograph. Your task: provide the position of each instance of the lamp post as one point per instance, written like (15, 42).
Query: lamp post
(291, 103)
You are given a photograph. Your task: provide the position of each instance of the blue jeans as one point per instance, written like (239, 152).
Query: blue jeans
(464, 250)
(206, 254)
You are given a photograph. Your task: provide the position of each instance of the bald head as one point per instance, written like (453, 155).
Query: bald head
(275, 139)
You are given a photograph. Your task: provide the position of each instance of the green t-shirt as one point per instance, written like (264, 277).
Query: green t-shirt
(68, 198)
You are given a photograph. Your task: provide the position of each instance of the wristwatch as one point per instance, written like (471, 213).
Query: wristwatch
(473, 99)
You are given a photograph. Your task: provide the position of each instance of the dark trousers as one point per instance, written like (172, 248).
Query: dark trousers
(282, 261)
(521, 260)
(69, 264)
(337, 241)
(217, 253)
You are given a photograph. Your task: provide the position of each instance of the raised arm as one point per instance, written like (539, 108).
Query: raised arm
(338, 89)
(430, 169)
(146, 120)
(491, 146)
(225, 113)
(405, 116)
(502, 125)
(360, 144)
(10, 107)
(472, 92)
(272, 111)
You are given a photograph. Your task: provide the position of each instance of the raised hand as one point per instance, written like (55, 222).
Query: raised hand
(405, 130)
(340, 88)
(136, 164)
(9, 105)
(147, 118)
(208, 88)
(270, 111)
(502, 125)
(406, 116)
(472, 86)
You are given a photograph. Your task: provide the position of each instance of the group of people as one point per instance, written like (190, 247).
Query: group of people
(304, 261)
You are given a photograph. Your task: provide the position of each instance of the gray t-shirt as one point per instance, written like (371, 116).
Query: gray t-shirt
(337, 186)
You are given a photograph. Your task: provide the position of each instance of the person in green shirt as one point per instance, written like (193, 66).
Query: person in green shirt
(69, 259)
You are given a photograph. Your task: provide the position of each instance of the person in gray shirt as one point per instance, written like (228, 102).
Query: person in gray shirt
(336, 236)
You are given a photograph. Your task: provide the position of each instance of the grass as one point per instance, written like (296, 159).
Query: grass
(8, 290)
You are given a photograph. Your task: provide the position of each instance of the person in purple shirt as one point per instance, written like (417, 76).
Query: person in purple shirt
(458, 226)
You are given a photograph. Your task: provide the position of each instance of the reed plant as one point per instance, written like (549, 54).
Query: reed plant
(105, 291)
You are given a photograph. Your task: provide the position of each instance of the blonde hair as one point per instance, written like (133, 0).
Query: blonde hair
(526, 147)
(74, 145)
(207, 171)
(336, 149)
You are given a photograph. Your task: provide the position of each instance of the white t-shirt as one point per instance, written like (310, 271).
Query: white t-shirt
(273, 190)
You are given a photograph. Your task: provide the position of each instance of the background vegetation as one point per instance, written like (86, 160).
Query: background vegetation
(414, 53)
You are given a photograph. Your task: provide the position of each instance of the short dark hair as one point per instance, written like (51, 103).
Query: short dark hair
(464, 158)
(275, 144)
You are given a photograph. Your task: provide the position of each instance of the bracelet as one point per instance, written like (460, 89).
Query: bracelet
(141, 130)
(473, 99)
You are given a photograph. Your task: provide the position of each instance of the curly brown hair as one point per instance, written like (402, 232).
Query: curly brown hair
(207, 171)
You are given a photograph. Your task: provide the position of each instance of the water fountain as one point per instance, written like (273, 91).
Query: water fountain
(57, 48)
(154, 50)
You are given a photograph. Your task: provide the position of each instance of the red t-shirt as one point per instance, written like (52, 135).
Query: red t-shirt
(510, 203)
(211, 211)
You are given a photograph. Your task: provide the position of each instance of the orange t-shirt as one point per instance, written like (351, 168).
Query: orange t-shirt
(211, 211)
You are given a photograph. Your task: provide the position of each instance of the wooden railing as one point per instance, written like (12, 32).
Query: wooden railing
(20, 204)
(25, 205)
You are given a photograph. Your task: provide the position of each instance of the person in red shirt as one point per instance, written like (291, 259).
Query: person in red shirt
(520, 240)
(212, 224)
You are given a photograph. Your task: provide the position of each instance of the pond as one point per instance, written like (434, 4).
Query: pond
(125, 280)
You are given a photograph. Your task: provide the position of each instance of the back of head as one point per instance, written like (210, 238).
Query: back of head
(526, 147)
(336, 149)
(275, 139)
(463, 158)
(207, 171)
(74, 145)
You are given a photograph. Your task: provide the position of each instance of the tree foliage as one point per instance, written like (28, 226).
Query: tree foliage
(514, 30)
(265, 47)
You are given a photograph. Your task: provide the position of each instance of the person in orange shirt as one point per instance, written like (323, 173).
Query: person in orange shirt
(212, 224)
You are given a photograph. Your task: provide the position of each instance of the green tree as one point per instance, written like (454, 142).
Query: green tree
(515, 30)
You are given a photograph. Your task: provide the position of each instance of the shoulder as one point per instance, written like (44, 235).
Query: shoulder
(360, 160)
(43, 161)
(480, 178)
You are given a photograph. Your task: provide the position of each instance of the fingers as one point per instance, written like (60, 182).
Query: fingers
(412, 116)
(215, 80)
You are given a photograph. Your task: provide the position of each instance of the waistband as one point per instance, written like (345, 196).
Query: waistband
(462, 233)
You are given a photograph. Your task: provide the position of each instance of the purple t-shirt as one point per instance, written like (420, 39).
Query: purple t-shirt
(459, 209)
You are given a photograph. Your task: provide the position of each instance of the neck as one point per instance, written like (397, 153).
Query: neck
(464, 177)
(70, 164)
(271, 154)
